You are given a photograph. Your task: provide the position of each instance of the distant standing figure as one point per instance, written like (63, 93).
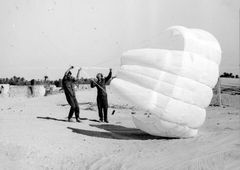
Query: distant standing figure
(102, 101)
(68, 87)
(32, 82)
(1, 89)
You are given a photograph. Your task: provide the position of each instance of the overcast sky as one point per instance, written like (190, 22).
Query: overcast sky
(45, 37)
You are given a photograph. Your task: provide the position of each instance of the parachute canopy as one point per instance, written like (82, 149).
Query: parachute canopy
(174, 86)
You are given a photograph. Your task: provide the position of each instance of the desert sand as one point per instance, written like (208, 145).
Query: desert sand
(34, 134)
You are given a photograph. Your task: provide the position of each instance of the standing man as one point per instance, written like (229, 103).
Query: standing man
(102, 101)
(68, 83)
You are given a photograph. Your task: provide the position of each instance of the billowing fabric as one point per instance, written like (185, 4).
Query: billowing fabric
(4, 89)
(174, 86)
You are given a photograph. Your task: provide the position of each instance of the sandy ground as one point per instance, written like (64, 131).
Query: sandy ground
(34, 134)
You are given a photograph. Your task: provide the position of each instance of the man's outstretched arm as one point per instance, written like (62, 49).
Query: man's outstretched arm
(68, 70)
(109, 75)
(92, 83)
(78, 73)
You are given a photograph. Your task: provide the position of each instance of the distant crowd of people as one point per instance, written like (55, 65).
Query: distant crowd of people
(68, 83)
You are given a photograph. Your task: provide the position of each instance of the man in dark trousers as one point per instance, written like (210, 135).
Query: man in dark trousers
(68, 83)
(102, 101)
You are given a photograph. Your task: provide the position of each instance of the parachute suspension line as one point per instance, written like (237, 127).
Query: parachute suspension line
(94, 81)
(92, 67)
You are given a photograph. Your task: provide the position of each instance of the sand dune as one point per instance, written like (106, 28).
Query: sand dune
(34, 134)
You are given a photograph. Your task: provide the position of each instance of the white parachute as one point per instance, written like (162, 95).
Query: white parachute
(174, 86)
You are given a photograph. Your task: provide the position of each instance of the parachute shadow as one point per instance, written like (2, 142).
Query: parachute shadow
(117, 132)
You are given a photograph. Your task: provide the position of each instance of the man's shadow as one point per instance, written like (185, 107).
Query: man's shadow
(80, 103)
(117, 132)
(52, 118)
(65, 120)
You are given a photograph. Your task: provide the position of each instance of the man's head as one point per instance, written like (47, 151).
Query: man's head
(69, 74)
(99, 76)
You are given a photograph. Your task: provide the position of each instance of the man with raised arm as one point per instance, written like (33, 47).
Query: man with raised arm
(68, 84)
(102, 101)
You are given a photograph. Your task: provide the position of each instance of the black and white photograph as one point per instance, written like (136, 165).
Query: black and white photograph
(119, 85)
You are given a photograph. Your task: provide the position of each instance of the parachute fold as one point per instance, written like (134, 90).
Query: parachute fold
(174, 86)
